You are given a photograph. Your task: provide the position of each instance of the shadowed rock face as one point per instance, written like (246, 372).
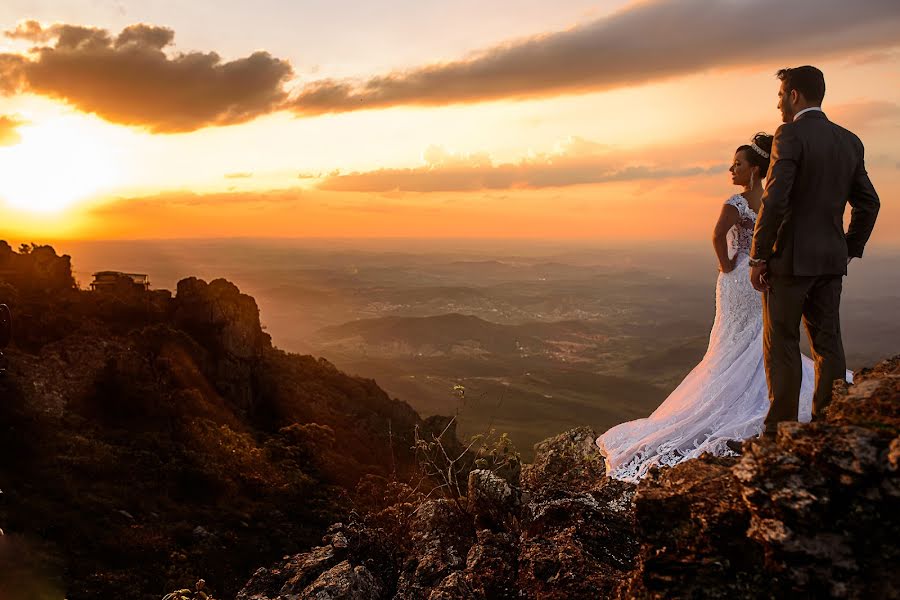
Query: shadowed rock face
(812, 514)
(824, 500)
(149, 440)
(220, 317)
(692, 524)
(226, 323)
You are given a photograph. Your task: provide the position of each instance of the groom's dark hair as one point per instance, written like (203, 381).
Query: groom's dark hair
(807, 80)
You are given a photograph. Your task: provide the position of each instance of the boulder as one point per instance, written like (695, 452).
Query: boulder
(440, 538)
(292, 577)
(823, 498)
(579, 544)
(344, 582)
(692, 522)
(491, 500)
(569, 461)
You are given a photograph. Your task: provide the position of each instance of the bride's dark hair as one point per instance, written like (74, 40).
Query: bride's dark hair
(763, 141)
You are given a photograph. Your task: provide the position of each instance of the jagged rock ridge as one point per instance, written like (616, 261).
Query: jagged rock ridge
(812, 514)
(150, 440)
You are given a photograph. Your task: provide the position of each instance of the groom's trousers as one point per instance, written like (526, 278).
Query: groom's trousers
(816, 300)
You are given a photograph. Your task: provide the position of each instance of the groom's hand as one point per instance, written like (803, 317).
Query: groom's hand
(758, 278)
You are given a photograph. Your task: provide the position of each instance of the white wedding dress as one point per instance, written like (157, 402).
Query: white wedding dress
(725, 397)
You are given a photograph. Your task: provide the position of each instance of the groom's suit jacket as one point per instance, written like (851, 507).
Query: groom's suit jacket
(816, 167)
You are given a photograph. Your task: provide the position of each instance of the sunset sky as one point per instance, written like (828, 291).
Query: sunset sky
(582, 119)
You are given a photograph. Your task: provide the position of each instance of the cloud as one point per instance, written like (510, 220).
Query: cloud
(9, 135)
(242, 175)
(135, 78)
(866, 113)
(575, 162)
(881, 55)
(12, 79)
(130, 79)
(646, 41)
(30, 30)
(186, 199)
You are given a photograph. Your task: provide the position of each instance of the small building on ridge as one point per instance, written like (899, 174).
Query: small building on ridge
(111, 280)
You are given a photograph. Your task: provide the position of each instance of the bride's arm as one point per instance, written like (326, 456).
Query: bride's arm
(728, 218)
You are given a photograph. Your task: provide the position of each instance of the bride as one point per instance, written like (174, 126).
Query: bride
(725, 398)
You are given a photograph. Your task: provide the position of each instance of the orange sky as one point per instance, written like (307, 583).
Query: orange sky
(597, 120)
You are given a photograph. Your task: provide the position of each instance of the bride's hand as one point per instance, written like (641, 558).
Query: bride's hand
(732, 262)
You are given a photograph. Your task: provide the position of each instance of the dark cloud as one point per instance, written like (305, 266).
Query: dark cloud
(130, 79)
(12, 78)
(644, 42)
(9, 135)
(579, 162)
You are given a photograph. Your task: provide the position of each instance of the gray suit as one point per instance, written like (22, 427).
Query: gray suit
(816, 168)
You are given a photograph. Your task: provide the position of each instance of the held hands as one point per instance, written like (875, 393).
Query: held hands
(758, 278)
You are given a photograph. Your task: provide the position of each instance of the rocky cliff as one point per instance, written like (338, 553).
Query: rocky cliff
(812, 514)
(149, 440)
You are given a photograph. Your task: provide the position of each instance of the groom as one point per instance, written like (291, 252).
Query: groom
(800, 252)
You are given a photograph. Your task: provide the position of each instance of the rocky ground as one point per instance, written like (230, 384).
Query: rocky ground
(811, 514)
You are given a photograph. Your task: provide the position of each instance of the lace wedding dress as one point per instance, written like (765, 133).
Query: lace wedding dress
(725, 397)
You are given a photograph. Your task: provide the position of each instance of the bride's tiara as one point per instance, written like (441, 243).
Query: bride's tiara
(759, 150)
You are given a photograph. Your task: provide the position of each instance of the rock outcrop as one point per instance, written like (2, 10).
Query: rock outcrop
(220, 317)
(151, 440)
(811, 514)
(35, 269)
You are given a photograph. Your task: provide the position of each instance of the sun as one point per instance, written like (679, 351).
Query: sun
(58, 162)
